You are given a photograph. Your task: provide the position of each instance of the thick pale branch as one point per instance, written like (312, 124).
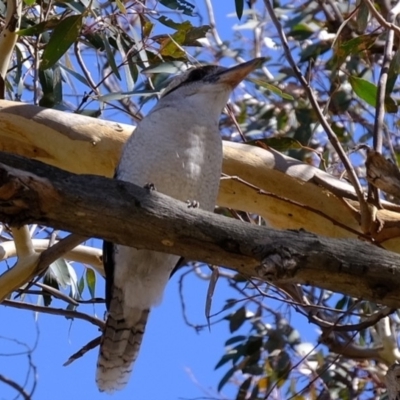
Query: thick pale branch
(90, 146)
(127, 214)
(82, 254)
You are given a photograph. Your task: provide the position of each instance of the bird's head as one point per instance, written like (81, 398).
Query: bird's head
(208, 84)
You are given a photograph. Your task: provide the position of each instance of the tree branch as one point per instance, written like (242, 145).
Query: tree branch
(32, 192)
(87, 145)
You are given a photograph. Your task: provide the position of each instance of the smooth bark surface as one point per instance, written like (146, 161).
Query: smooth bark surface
(286, 192)
(32, 192)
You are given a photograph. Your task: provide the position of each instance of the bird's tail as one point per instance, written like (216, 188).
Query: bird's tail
(119, 348)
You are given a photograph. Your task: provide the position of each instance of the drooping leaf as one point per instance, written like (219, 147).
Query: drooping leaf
(121, 6)
(362, 16)
(239, 6)
(49, 280)
(61, 272)
(283, 366)
(210, 294)
(64, 35)
(226, 378)
(230, 355)
(110, 56)
(91, 281)
(394, 70)
(237, 319)
(81, 285)
(243, 389)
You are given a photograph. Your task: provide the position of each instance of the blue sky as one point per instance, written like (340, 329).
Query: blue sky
(174, 363)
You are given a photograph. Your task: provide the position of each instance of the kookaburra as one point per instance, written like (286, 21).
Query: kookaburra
(177, 147)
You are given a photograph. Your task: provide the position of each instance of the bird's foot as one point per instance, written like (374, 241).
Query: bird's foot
(192, 204)
(149, 186)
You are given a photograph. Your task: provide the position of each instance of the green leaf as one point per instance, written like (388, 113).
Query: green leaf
(232, 302)
(121, 6)
(237, 319)
(46, 81)
(353, 46)
(195, 33)
(274, 89)
(235, 339)
(243, 389)
(110, 56)
(279, 144)
(230, 355)
(181, 5)
(226, 378)
(49, 280)
(239, 6)
(65, 33)
(253, 345)
(313, 51)
(94, 113)
(390, 105)
(81, 286)
(394, 70)
(368, 92)
(61, 272)
(91, 281)
(30, 3)
(123, 95)
(39, 28)
(171, 23)
(75, 74)
(364, 89)
(301, 31)
(362, 16)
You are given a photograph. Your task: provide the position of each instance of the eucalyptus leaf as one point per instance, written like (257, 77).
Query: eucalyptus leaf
(64, 35)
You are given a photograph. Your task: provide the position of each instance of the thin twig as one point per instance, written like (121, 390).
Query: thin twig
(300, 205)
(365, 212)
(80, 353)
(85, 71)
(54, 311)
(15, 386)
(380, 19)
(380, 101)
(56, 251)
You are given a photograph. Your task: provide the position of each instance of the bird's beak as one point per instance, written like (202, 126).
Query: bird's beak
(233, 76)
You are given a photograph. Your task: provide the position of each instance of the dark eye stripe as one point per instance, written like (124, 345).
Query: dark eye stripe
(195, 75)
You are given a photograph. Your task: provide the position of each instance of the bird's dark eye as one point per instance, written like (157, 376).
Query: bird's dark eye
(199, 73)
(195, 75)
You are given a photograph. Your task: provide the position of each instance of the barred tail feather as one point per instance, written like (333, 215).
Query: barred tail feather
(119, 347)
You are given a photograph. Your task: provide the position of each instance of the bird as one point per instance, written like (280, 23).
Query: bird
(177, 148)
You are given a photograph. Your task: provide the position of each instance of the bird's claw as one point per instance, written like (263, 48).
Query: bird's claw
(192, 204)
(149, 186)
